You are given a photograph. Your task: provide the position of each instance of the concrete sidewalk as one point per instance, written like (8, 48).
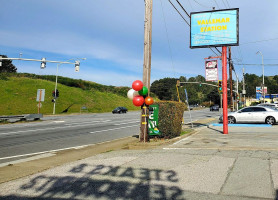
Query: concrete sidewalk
(205, 165)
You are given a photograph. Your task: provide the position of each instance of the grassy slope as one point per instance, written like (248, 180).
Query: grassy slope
(18, 96)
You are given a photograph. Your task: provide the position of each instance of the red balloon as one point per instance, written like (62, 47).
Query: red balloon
(137, 85)
(148, 100)
(138, 100)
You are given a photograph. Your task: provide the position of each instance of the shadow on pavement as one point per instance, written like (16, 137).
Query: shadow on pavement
(102, 181)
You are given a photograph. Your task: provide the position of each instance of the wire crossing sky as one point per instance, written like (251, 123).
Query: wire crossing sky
(110, 34)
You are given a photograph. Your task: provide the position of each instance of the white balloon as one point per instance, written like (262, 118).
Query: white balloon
(131, 93)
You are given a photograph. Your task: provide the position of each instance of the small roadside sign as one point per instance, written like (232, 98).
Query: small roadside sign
(40, 95)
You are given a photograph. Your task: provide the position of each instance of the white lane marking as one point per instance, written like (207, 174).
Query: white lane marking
(42, 152)
(76, 147)
(111, 129)
(59, 121)
(89, 122)
(44, 129)
(127, 122)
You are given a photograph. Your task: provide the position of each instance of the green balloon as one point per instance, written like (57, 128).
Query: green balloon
(144, 91)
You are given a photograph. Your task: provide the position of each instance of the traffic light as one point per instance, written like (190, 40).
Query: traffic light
(178, 83)
(77, 64)
(57, 93)
(220, 86)
(43, 63)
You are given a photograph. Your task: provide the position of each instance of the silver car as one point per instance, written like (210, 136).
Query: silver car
(253, 114)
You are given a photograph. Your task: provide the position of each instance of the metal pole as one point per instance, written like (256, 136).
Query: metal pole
(55, 97)
(224, 83)
(243, 91)
(263, 77)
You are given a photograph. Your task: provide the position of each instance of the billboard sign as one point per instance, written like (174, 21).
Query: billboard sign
(259, 92)
(214, 28)
(211, 70)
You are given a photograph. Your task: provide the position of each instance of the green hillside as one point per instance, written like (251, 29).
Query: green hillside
(18, 96)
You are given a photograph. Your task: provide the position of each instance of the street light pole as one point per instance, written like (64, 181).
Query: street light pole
(263, 74)
(56, 82)
(55, 97)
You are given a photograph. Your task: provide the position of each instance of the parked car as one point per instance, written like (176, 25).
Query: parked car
(253, 114)
(214, 107)
(271, 105)
(119, 110)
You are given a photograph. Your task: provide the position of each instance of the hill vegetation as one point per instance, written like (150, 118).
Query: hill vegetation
(19, 91)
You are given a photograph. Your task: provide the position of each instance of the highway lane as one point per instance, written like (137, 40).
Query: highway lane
(64, 132)
(200, 114)
(67, 131)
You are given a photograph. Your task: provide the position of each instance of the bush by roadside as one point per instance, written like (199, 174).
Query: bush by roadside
(170, 118)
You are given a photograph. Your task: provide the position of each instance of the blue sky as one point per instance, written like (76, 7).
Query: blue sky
(110, 34)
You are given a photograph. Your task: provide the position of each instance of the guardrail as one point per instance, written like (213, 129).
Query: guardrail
(15, 118)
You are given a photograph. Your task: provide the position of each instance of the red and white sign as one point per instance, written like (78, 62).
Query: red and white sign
(211, 70)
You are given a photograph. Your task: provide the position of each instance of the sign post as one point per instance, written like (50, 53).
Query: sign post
(40, 98)
(216, 28)
(186, 95)
(224, 85)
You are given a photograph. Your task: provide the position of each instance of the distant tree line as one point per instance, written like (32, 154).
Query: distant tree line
(7, 66)
(165, 89)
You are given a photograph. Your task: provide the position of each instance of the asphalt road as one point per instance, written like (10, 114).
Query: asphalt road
(54, 133)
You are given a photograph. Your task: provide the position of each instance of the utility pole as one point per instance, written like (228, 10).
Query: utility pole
(243, 89)
(146, 67)
(231, 78)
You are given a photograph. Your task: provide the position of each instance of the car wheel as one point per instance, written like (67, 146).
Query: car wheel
(270, 120)
(231, 120)
(120, 112)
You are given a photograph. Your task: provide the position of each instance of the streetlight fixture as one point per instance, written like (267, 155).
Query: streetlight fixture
(263, 74)
(77, 64)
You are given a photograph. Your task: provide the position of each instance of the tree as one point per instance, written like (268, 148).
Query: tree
(7, 65)
(165, 88)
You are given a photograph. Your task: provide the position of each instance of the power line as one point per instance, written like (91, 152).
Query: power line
(183, 8)
(201, 4)
(257, 64)
(228, 4)
(178, 12)
(170, 51)
(213, 51)
(189, 18)
(258, 41)
(217, 4)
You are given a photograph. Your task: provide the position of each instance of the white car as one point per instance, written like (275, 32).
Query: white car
(272, 105)
(253, 114)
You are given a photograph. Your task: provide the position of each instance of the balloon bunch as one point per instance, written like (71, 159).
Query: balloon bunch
(138, 94)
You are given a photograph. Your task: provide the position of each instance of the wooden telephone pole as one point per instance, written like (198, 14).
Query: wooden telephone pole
(146, 67)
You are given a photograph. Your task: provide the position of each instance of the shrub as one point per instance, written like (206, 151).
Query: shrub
(170, 118)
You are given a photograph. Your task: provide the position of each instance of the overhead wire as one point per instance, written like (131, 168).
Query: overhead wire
(178, 12)
(183, 8)
(201, 4)
(259, 41)
(170, 50)
(217, 4)
(189, 18)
